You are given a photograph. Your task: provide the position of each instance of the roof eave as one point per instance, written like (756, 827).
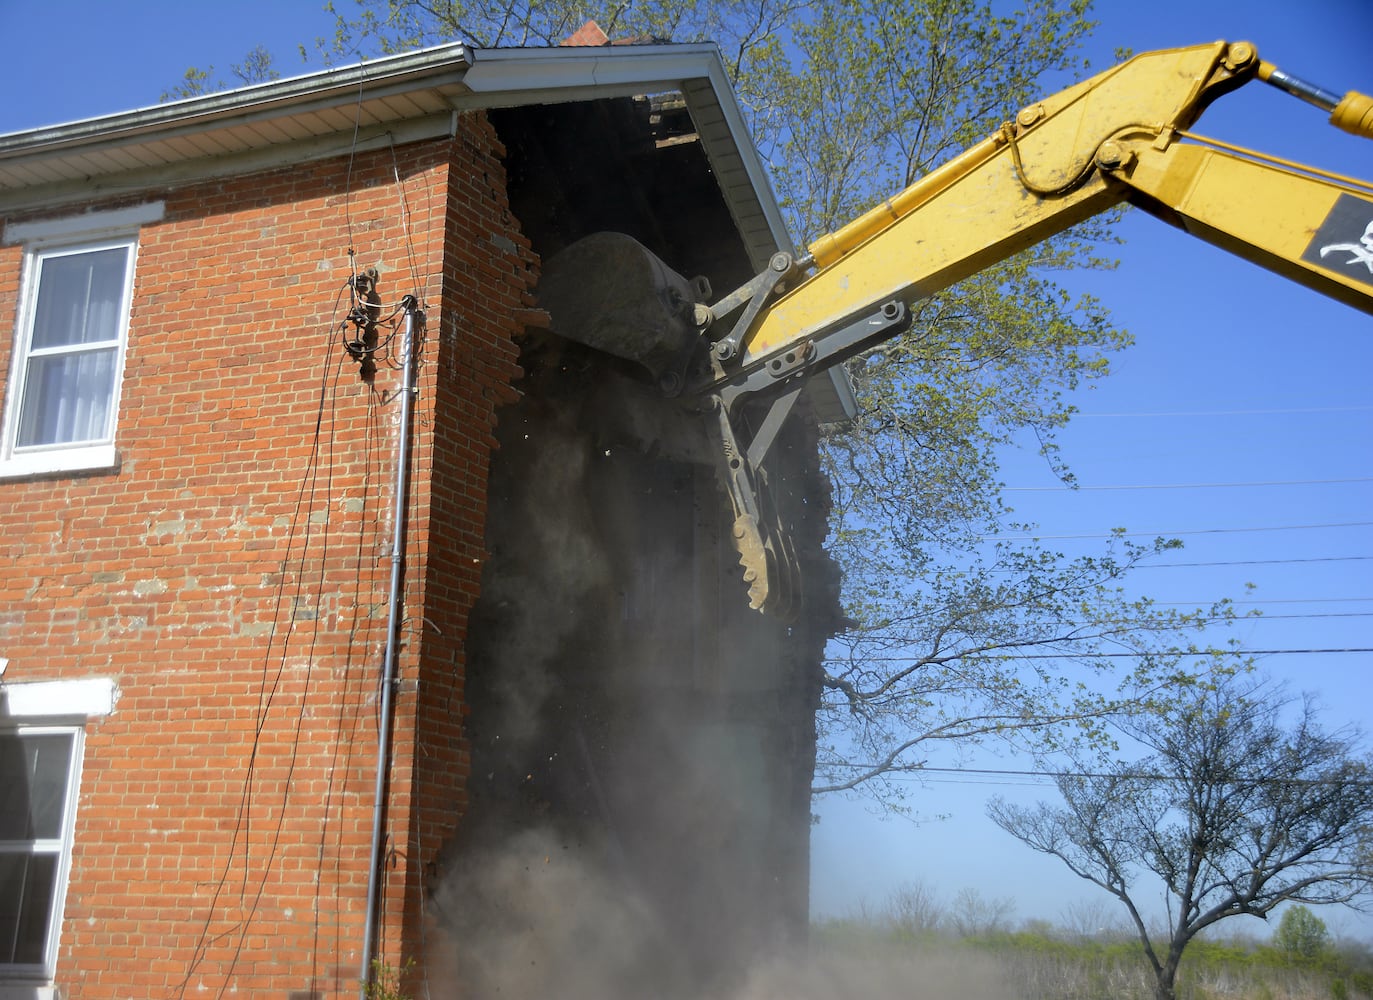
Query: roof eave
(435, 67)
(80, 160)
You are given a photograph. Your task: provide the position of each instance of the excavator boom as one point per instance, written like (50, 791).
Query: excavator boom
(1123, 136)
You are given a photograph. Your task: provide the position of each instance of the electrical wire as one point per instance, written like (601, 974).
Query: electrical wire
(1233, 413)
(913, 773)
(1169, 534)
(1252, 562)
(405, 219)
(1301, 600)
(1095, 655)
(266, 696)
(270, 688)
(357, 347)
(1185, 486)
(348, 179)
(322, 563)
(349, 709)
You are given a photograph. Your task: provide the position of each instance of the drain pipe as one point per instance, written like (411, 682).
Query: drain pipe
(388, 670)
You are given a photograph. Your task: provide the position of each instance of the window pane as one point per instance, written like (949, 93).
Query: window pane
(67, 398)
(28, 883)
(33, 785)
(79, 296)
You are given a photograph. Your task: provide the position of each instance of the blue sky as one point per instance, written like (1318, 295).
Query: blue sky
(1237, 377)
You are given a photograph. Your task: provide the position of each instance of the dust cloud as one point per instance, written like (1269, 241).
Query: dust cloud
(552, 926)
(637, 818)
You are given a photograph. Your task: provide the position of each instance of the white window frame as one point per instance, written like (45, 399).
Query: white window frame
(53, 706)
(49, 239)
(59, 847)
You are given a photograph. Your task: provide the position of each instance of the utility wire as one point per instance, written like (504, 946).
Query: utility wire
(1298, 600)
(1121, 656)
(1185, 486)
(1230, 562)
(1214, 619)
(1234, 413)
(913, 773)
(1282, 618)
(1253, 562)
(1165, 534)
(1270, 600)
(1267, 617)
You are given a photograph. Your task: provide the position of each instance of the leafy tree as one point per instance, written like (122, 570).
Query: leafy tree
(257, 67)
(849, 100)
(1301, 934)
(1242, 803)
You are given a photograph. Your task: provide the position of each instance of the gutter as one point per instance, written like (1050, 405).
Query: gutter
(435, 67)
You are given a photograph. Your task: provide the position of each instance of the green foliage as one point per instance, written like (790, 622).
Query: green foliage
(257, 67)
(1049, 962)
(1301, 935)
(386, 980)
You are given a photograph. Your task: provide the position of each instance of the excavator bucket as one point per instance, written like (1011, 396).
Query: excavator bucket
(611, 293)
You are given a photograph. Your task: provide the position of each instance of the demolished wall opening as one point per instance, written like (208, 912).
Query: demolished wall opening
(642, 744)
(638, 735)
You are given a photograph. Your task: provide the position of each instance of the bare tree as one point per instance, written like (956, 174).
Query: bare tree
(915, 910)
(974, 915)
(1090, 920)
(1243, 802)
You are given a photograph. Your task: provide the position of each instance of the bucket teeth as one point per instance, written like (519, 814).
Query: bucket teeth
(754, 557)
(770, 569)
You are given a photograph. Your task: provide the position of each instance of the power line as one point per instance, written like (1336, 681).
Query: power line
(1269, 600)
(1234, 562)
(1259, 618)
(1184, 486)
(1280, 618)
(1254, 562)
(1264, 617)
(1234, 413)
(1092, 655)
(1036, 777)
(1189, 531)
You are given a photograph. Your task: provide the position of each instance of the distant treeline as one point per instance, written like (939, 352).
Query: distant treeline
(1039, 960)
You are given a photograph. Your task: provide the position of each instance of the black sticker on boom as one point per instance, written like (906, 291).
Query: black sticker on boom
(1344, 242)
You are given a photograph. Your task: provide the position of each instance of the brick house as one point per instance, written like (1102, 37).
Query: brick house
(593, 760)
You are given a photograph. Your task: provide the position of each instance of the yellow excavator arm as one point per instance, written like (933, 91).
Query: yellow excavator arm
(1122, 136)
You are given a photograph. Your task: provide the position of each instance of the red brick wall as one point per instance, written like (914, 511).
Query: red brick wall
(487, 280)
(231, 575)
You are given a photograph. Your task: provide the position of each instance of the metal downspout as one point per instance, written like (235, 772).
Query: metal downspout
(388, 671)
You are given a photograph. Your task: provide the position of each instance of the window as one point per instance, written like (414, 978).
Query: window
(42, 737)
(39, 775)
(62, 398)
